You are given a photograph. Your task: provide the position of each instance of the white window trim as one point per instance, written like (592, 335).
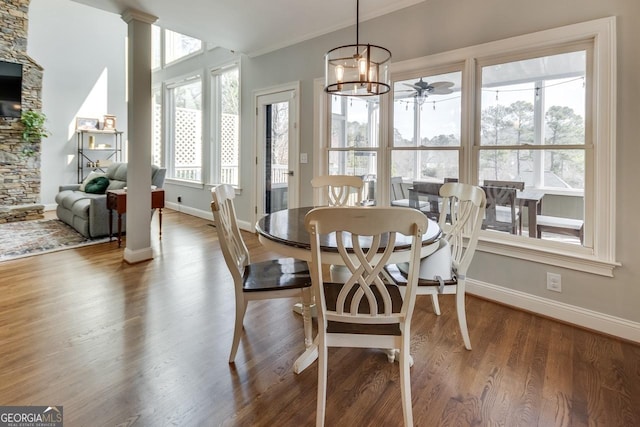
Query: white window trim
(322, 135)
(214, 119)
(600, 259)
(169, 142)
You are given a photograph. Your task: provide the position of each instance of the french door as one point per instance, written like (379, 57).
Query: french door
(277, 149)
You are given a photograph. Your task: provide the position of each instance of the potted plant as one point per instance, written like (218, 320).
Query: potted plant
(33, 130)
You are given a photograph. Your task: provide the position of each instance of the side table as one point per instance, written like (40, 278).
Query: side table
(117, 200)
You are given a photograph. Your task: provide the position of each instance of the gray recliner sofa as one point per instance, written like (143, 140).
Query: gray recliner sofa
(88, 213)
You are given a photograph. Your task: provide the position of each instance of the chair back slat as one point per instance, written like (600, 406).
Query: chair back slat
(234, 250)
(497, 197)
(365, 239)
(465, 210)
(397, 188)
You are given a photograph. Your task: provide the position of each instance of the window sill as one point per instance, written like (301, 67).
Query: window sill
(560, 255)
(183, 183)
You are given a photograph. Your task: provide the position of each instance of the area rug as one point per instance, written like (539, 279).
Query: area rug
(27, 238)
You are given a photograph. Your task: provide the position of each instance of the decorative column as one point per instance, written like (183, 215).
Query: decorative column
(140, 136)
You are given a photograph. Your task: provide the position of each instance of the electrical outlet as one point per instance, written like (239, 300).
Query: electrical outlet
(179, 199)
(554, 282)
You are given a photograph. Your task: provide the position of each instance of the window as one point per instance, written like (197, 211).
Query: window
(537, 109)
(355, 139)
(225, 85)
(177, 46)
(157, 151)
(156, 47)
(168, 46)
(426, 127)
(184, 101)
(532, 120)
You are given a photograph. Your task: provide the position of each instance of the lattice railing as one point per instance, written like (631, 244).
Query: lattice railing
(187, 153)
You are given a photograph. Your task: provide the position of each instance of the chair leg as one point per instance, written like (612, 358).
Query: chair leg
(462, 315)
(435, 304)
(405, 382)
(391, 354)
(307, 302)
(322, 381)
(241, 309)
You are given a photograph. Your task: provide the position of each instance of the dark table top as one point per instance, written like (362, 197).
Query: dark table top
(287, 227)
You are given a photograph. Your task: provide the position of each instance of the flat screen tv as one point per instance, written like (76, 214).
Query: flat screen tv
(10, 89)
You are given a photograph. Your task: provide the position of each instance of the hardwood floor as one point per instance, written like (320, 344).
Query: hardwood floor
(147, 345)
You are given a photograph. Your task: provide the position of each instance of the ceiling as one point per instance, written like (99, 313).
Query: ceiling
(254, 27)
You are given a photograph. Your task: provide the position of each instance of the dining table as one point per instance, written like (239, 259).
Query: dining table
(284, 232)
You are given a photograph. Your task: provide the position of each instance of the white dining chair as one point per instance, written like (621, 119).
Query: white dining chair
(445, 271)
(337, 190)
(364, 311)
(278, 278)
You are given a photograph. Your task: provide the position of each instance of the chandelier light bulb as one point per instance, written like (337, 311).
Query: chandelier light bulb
(339, 73)
(362, 67)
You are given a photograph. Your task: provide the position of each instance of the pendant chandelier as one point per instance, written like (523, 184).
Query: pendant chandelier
(357, 69)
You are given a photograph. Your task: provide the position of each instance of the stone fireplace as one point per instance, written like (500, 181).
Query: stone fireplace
(19, 173)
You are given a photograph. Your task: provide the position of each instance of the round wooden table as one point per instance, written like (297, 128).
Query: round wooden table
(284, 232)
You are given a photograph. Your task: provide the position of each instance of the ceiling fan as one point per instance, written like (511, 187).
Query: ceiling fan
(422, 89)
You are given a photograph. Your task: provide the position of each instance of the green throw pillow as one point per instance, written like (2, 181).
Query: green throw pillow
(97, 185)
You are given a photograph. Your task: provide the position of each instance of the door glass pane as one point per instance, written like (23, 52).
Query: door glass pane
(277, 166)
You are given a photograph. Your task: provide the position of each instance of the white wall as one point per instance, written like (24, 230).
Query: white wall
(82, 51)
(73, 55)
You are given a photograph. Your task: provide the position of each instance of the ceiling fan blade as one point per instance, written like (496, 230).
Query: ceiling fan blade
(440, 91)
(413, 86)
(443, 85)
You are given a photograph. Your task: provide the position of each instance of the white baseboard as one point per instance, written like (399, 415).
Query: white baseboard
(204, 214)
(244, 225)
(578, 316)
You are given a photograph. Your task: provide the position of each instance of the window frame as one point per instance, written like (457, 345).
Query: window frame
(161, 39)
(169, 126)
(163, 53)
(587, 147)
(322, 138)
(215, 157)
(419, 72)
(598, 254)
